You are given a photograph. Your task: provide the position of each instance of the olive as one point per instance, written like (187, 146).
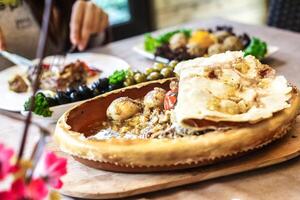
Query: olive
(114, 86)
(104, 90)
(153, 76)
(166, 72)
(129, 81)
(103, 83)
(95, 85)
(96, 92)
(52, 101)
(69, 90)
(85, 92)
(62, 98)
(136, 71)
(75, 96)
(158, 66)
(149, 71)
(100, 84)
(130, 73)
(139, 77)
(173, 63)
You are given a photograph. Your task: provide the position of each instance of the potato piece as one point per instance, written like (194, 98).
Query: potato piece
(177, 40)
(195, 49)
(215, 49)
(221, 35)
(155, 98)
(123, 108)
(232, 43)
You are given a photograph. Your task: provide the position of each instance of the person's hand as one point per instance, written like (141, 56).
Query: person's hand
(86, 19)
(2, 41)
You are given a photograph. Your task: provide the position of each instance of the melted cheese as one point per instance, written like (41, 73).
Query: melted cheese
(228, 87)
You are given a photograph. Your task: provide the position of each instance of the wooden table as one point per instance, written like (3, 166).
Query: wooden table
(277, 182)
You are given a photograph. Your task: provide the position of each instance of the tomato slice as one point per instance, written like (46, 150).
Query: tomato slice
(170, 100)
(89, 70)
(46, 66)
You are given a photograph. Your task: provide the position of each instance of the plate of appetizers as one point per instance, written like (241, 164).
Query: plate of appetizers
(216, 108)
(59, 74)
(184, 44)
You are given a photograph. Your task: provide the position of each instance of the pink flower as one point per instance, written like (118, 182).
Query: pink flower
(36, 189)
(51, 168)
(17, 191)
(6, 166)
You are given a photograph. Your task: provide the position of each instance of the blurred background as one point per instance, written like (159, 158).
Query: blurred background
(132, 17)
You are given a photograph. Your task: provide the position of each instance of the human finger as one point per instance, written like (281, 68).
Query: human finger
(76, 22)
(87, 26)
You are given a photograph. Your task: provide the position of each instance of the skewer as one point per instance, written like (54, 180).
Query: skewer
(36, 82)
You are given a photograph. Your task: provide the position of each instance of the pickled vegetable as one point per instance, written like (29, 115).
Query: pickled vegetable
(153, 76)
(75, 96)
(257, 48)
(167, 72)
(158, 66)
(62, 97)
(85, 92)
(129, 81)
(149, 70)
(117, 77)
(173, 63)
(139, 77)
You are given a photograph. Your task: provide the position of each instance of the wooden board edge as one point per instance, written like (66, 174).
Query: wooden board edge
(184, 181)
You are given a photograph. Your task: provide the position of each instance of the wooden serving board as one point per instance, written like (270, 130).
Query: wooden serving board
(84, 182)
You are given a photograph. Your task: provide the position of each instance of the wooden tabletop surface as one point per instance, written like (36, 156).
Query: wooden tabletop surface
(276, 182)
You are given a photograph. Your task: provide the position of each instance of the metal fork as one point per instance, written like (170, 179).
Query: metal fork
(59, 60)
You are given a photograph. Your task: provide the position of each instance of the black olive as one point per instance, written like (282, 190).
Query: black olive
(85, 92)
(95, 85)
(115, 86)
(62, 97)
(69, 90)
(52, 101)
(76, 96)
(101, 84)
(97, 92)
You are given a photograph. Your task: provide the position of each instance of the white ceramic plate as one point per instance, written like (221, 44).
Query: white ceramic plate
(141, 50)
(12, 101)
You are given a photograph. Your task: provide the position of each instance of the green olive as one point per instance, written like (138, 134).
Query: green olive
(139, 77)
(149, 71)
(129, 81)
(166, 72)
(158, 66)
(129, 74)
(153, 76)
(173, 63)
(136, 71)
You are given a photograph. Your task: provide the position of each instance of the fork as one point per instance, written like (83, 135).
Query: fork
(59, 60)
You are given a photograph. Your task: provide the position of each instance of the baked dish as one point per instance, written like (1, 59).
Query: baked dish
(217, 108)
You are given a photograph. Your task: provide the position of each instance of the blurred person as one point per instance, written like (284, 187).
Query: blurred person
(79, 23)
